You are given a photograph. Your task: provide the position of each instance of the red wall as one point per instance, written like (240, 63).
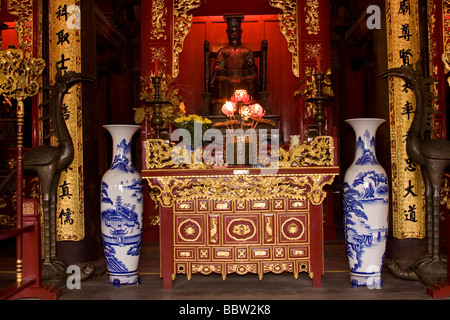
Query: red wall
(9, 36)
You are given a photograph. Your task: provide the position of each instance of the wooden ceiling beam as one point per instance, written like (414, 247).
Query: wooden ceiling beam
(359, 33)
(107, 34)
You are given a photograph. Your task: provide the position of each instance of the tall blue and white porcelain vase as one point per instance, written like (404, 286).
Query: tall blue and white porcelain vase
(122, 209)
(366, 207)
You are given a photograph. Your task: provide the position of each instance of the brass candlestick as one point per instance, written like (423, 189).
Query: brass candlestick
(157, 104)
(319, 99)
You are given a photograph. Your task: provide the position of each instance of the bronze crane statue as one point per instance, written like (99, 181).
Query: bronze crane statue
(48, 162)
(433, 157)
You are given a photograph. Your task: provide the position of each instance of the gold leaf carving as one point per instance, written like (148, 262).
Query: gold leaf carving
(247, 187)
(319, 152)
(182, 23)
(19, 74)
(206, 269)
(292, 227)
(213, 229)
(269, 228)
(189, 228)
(313, 50)
(289, 28)
(158, 20)
(241, 229)
(24, 25)
(312, 16)
(160, 55)
(242, 269)
(159, 154)
(278, 268)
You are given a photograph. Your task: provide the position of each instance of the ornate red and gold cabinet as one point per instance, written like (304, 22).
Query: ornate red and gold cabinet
(241, 220)
(242, 236)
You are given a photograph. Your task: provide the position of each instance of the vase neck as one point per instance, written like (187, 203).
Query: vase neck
(365, 132)
(122, 138)
(122, 148)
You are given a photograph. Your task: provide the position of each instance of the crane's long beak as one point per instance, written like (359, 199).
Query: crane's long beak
(391, 72)
(85, 77)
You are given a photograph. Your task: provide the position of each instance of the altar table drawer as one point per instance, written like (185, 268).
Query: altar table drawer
(185, 254)
(190, 229)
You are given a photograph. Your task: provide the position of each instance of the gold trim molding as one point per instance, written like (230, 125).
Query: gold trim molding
(302, 187)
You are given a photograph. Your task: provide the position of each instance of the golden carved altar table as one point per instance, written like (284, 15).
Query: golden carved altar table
(242, 219)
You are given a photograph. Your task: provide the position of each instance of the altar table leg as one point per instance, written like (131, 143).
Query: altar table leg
(166, 245)
(317, 281)
(167, 282)
(316, 229)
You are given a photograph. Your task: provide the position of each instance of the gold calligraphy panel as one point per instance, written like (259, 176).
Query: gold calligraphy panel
(408, 212)
(65, 51)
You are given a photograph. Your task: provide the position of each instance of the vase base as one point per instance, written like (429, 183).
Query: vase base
(371, 281)
(118, 280)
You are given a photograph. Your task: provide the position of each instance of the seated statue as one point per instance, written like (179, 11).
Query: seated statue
(234, 67)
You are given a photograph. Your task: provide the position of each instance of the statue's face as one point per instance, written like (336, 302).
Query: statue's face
(234, 36)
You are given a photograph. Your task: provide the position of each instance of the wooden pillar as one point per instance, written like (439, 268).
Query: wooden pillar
(71, 42)
(65, 52)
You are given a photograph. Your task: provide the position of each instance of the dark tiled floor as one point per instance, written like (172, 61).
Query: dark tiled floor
(335, 284)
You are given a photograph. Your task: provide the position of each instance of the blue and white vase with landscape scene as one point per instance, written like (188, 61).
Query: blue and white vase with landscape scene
(122, 209)
(365, 207)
